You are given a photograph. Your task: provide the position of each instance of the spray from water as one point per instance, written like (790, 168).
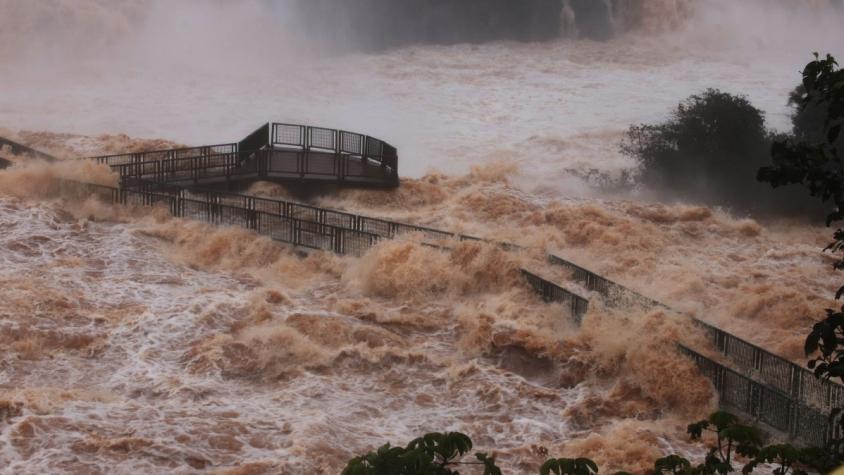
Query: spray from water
(194, 347)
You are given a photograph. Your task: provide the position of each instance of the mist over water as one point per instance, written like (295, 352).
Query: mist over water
(134, 342)
(205, 71)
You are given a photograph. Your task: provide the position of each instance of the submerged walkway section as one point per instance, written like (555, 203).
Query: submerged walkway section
(771, 389)
(752, 380)
(774, 391)
(13, 148)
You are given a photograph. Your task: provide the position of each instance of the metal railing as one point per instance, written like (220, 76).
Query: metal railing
(802, 424)
(778, 399)
(281, 151)
(383, 228)
(180, 169)
(169, 154)
(356, 155)
(211, 208)
(605, 287)
(20, 149)
(257, 140)
(298, 224)
(792, 379)
(552, 292)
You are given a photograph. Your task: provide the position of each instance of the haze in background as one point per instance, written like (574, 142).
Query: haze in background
(140, 343)
(204, 71)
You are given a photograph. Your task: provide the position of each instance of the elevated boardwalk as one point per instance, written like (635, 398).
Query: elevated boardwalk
(282, 153)
(9, 147)
(770, 389)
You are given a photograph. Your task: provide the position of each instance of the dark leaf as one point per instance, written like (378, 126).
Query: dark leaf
(833, 134)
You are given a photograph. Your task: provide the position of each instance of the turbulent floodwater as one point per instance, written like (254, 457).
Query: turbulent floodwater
(134, 343)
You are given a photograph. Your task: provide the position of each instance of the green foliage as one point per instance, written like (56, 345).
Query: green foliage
(732, 438)
(809, 119)
(814, 161)
(709, 151)
(806, 160)
(489, 464)
(673, 464)
(580, 466)
(784, 456)
(432, 454)
(438, 453)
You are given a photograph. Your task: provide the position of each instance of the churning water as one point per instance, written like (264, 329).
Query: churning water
(135, 343)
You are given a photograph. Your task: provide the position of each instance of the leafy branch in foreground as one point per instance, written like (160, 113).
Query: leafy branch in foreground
(432, 454)
(442, 453)
(814, 159)
(731, 438)
(579, 466)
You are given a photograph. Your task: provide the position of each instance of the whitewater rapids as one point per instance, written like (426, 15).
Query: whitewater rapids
(131, 342)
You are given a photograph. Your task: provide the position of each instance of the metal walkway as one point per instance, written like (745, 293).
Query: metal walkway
(275, 152)
(8, 147)
(764, 386)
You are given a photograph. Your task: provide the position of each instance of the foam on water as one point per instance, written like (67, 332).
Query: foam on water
(143, 350)
(132, 342)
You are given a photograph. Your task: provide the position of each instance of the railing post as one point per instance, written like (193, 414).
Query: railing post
(828, 397)
(338, 238)
(796, 381)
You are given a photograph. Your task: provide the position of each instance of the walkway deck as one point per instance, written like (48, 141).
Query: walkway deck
(274, 152)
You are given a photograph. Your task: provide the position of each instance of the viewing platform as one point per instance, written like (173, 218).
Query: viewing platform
(282, 153)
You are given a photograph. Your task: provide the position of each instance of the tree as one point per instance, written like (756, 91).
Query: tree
(673, 464)
(732, 438)
(784, 456)
(578, 466)
(808, 120)
(433, 454)
(708, 151)
(440, 453)
(817, 166)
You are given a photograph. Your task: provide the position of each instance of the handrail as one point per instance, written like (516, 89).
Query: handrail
(603, 286)
(180, 200)
(552, 292)
(272, 136)
(20, 149)
(146, 156)
(277, 226)
(773, 369)
(381, 227)
(775, 408)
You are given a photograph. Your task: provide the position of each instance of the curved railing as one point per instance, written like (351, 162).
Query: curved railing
(272, 152)
(20, 149)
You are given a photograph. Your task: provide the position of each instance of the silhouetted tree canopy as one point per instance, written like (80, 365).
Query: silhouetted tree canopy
(812, 159)
(709, 151)
(442, 454)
